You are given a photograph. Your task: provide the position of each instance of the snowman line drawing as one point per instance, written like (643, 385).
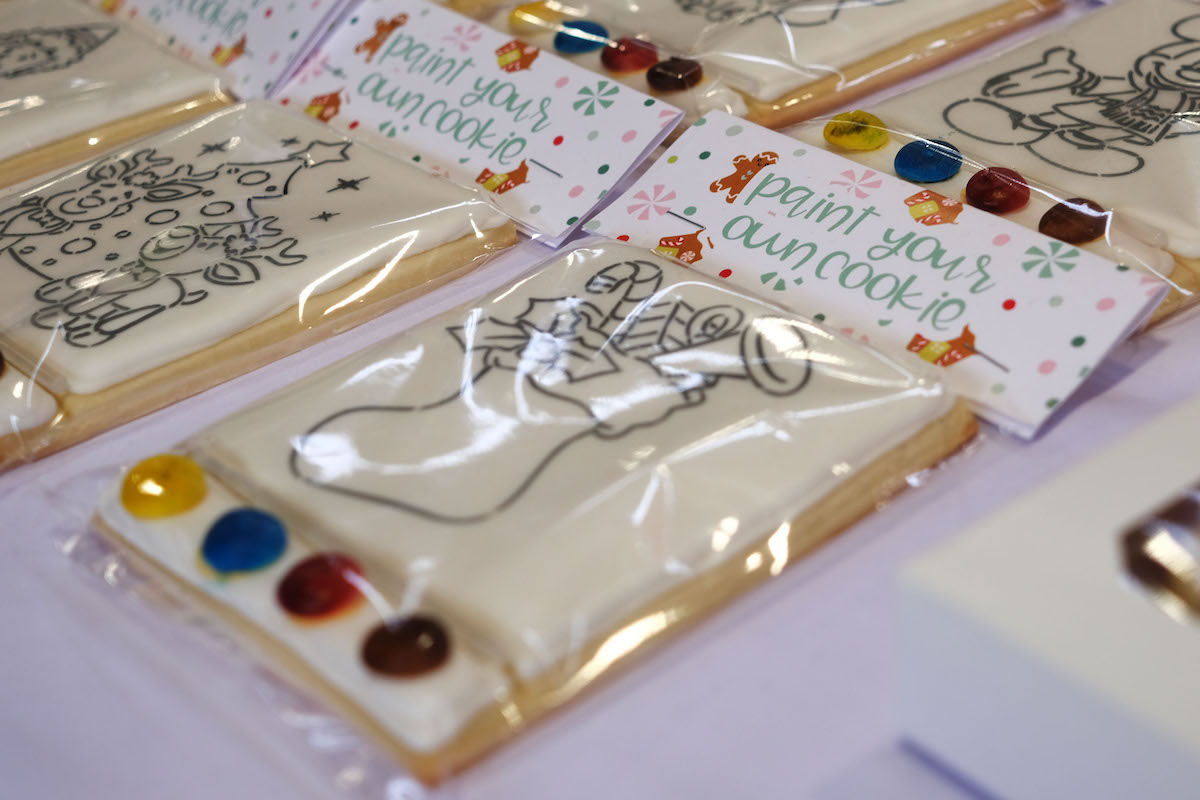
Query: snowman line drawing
(1085, 121)
(620, 356)
(200, 238)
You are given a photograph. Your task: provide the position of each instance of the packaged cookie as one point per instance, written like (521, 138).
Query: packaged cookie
(776, 63)
(74, 83)
(456, 531)
(1084, 134)
(193, 256)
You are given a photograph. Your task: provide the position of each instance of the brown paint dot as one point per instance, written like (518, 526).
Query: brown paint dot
(674, 75)
(998, 190)
(406, 648)
(319, 585)
(1075, 221)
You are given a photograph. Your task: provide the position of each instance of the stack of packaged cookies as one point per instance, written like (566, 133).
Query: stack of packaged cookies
(724, 346)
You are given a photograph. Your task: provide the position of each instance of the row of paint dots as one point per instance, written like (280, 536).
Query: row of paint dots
(320, 587)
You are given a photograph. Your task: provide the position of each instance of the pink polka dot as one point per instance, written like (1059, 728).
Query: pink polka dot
(629, 136)
(1105, 304)
(575, 191)
(274, 57)
(1002, 240)
(1047, 366)
(561, 82)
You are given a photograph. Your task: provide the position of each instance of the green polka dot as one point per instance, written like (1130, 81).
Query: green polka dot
(1083, 373)
(353, 20)
(799, 152)
(672, 159)
(592, 136)
(1078, 341)
(1052, 402)
(591, 225)
(1122, 268)
(733, 130)
(267, 86)
(294, 34)
(602, 193)
(705, 155)
(698, 122)
(534, 209)
(416, 158)
(687, 212)
(998, 388)
(649, 102)
(572, 220)
(171, 40)
(818, 317)
(603, 169)
(1056, 301)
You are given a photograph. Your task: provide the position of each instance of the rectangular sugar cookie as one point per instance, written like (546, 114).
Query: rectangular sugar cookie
(193, 256)
(775, 63)
(529, 489)
(74, 82)
(1104, 111)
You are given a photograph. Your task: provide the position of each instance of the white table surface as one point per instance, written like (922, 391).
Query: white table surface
(787, 693)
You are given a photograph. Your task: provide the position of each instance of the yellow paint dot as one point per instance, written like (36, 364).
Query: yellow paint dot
(162, 486)
(534, 18)
(856, 130)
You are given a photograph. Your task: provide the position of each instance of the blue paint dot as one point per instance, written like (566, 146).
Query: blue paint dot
(928, 161)
(244, 540)
(581, 36)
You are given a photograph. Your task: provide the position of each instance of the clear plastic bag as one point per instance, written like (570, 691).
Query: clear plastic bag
(458, 530)
(1085, 134)
(74, 83)
(196, 255)
(776, 63)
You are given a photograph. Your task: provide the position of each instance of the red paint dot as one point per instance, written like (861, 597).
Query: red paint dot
(268, 14)
(353, 125)
(623, 238)
(284, 102)
(558, 140)
(1046, 367)
(725, 273)
(1009, 305)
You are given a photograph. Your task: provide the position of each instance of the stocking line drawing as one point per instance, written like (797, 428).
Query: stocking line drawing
(621, 355)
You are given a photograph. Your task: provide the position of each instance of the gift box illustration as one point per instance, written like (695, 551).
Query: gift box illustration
(931, 208)
(944, 353)
(325, 106)
(501, 182)
(686, 248)
(224, 56)
(516, 55)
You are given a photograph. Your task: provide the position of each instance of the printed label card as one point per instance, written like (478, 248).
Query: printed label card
(546, 139)
(257, 43)
(1014, 320)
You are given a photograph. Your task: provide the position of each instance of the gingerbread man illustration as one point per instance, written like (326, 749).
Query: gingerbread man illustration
(744, 170)
(383, 29)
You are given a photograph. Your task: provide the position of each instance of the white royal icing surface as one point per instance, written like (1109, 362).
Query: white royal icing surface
(1121, 244)
(1104, 109)
(23, 404)
(179, 241)
(769, 49)
(536, 466)
(65, 68)
(423, 712)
